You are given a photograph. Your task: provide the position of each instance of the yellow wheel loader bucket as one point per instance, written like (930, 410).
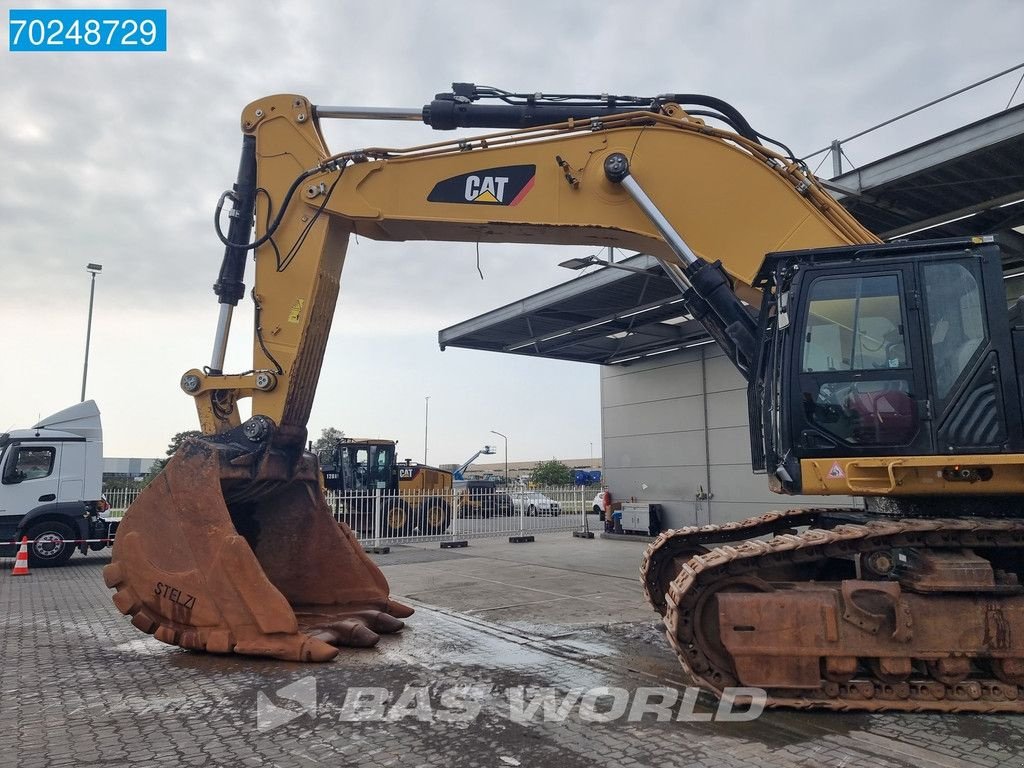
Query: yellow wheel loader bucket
(233, 549)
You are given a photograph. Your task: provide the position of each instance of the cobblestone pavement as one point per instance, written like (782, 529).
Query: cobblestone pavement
(80, 686)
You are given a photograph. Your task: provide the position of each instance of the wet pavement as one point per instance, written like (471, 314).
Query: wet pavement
(519, 655)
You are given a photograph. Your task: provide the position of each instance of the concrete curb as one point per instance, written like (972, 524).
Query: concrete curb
(627, 537)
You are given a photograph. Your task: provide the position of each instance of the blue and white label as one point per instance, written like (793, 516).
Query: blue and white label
(87, 30)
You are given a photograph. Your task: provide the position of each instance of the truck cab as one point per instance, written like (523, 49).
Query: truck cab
(51, 480)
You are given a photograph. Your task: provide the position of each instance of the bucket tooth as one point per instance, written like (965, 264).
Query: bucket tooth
(232, 548)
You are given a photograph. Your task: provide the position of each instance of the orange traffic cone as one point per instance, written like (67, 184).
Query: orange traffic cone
(21, 561)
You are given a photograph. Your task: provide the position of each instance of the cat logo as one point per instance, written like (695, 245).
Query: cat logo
(489, 186)
(488, 189)
(407, 473)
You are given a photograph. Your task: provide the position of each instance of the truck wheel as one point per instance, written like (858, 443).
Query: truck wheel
(397, 520)
(49, 545)
(435, 517)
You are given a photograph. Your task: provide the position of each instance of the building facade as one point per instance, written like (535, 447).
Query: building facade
(675, 432)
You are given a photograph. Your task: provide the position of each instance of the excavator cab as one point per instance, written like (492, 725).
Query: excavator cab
(890, 373)
(879, 355)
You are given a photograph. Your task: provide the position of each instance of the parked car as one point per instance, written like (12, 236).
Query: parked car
(477, 498)
(502, 504)
(533, 503)
(598, 503)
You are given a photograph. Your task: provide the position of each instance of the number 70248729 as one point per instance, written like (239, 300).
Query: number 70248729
(87, 30)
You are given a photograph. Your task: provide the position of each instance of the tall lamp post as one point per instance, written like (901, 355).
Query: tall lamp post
(92, 269)
(426, 425)
(503, 437)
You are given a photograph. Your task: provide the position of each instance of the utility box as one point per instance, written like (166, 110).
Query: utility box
(640, 518)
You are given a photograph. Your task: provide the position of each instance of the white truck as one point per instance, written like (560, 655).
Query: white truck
(51, 487)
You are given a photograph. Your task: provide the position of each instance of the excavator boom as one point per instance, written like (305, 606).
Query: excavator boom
(735, 200)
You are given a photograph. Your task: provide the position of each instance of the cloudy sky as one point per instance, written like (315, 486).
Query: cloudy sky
(119, 159)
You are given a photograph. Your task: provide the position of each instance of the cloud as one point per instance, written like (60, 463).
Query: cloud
(120, 158)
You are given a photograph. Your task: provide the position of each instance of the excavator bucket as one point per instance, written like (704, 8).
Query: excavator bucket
(232, 548)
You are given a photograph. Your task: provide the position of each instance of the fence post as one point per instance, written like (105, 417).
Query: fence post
(377, 548)
(453, 542)
(522, 538)
(376, 518)
(584, 532)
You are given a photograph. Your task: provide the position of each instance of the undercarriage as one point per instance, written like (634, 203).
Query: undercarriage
(848, 610)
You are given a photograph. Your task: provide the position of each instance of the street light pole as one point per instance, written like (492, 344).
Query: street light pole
(92, 269)
(495, 432)
(426, 425)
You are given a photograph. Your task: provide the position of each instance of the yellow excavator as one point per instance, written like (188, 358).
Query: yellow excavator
(890, 372)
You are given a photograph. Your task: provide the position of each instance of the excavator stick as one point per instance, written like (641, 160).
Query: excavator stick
(232, 548)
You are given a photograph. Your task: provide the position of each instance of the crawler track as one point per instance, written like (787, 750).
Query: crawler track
(694, 562)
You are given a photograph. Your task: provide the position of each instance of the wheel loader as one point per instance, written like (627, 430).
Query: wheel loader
(891, 372)
(416, 498)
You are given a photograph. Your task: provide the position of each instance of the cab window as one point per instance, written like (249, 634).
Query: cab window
(956, 325)
(383, 460)
(29, 464)
(855, 324)
(358, 467)
(856, 382)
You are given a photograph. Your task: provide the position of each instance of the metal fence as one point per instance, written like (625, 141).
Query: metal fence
(451, 517)
(119, 499)
(460, 515)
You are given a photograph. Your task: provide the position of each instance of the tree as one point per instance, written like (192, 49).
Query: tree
(117, 483)
(173, 446)
(323, 446)
(551, 472)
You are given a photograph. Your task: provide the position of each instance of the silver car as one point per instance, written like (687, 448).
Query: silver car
(533, 503)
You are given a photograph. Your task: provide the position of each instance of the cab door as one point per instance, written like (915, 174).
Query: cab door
(966, 330)
(28, 478)
(860, 380)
